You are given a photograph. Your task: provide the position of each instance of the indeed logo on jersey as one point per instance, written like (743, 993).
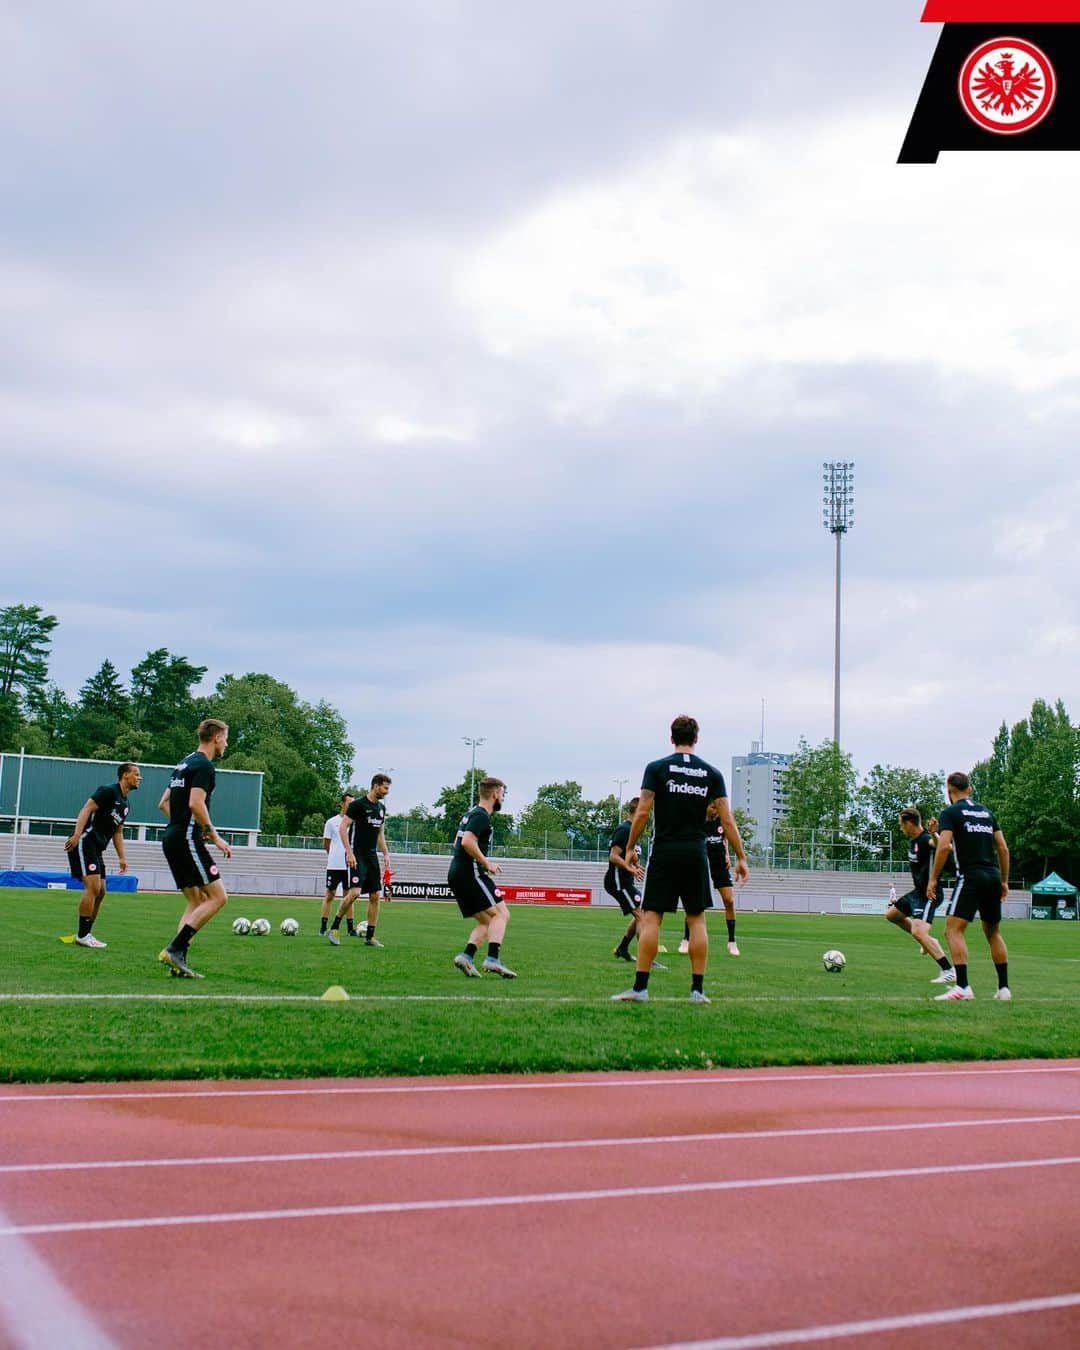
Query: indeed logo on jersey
(977, 829)
(688, 789)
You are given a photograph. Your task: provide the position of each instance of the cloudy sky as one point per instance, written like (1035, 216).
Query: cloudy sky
(471, 364)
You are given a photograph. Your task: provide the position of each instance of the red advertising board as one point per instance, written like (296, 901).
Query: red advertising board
(545, 895)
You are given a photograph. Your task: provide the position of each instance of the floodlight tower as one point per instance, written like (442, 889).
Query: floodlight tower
(474, 741)
(838, 516)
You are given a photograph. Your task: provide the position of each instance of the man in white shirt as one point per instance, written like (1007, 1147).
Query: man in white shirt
(337, 870)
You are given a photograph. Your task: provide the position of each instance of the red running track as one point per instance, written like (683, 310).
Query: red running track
(892, 1207)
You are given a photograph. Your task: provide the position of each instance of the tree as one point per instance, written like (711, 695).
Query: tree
(453, 803)
(51, 715)
(302, 750)
(820, 787)
(1040, 810)
(989, 776)
(10, 722)
(163, 702)
(747, 826)
(102, 715)
(25, 638)
(888, 789)
(419, 825)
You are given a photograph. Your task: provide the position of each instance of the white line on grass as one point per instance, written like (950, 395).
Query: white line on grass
(676, 1079)
(508, 1000)
(880, 1325)
(507, 1201)
(35, 1307)
(530, 1146)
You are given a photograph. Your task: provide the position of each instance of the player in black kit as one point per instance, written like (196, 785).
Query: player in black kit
(720, 873)
(472, 879)
(914, 912)
(101, 819)
(681, 787)
(970, 832)
(362, 833)
(186, 803)
(620, 879)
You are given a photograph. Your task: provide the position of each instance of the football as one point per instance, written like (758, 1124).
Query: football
(241, 926)
(834, 961)
(260, 927)
(289, 928)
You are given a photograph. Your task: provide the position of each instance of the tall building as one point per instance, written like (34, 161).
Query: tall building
(757, 785)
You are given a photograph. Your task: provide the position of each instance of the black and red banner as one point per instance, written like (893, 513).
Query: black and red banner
(1005, 76)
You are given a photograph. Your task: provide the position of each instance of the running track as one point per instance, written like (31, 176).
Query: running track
(903, 1206)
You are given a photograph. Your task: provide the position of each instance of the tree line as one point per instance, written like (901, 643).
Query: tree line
(1030, 778)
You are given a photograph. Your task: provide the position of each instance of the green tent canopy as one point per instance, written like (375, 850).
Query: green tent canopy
(1053, 885)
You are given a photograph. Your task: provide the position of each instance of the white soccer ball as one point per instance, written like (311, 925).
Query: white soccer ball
(834, 961)
(289, 928)
(241, 926)
(261, 927)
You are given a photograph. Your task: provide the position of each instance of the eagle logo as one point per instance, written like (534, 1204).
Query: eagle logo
(1007, 86)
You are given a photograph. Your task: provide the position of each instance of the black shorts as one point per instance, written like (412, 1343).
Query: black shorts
(189, 861)
(473, 889)
(366, 876)
(977, 892)
(720, 873)
(916, 906)
(85, 859)
(621, 887)
(337, 876)
(678, 872)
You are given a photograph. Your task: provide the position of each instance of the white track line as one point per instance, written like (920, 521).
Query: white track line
(36, 1309)
(676, 1079)
(531, 1146)
(543, 1198)
(878, 1325)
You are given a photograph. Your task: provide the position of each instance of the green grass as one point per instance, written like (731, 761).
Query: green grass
(775, 1005)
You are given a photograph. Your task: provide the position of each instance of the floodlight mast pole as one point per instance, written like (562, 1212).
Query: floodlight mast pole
(474, 741)
(838, 516)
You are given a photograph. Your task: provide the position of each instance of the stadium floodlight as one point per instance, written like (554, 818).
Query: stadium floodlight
(838, 516)
(622, 782)
(474, 741)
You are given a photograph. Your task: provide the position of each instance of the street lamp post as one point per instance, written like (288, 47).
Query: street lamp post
(474, 741)
(622, 782)
(838, 516)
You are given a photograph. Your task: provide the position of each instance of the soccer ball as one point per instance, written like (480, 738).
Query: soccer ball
(261, 927)
(241, 926)
(834, 961)
(289, 928)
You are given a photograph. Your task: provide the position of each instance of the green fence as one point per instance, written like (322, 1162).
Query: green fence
(47, 788)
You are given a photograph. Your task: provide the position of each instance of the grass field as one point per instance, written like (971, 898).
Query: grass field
(257, 1012)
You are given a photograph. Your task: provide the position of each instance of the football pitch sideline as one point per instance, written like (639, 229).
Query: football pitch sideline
(72, 1014)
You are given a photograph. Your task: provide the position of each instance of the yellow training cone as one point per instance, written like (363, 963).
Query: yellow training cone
(335, 994)
(69, 938)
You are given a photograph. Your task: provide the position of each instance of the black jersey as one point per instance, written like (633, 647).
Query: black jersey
(477, 822)
(973, 827)
(196, 771)
(365, 821)
(716, 840)
(920, 857)
(109, 816)
(619, 839)
(684, 785)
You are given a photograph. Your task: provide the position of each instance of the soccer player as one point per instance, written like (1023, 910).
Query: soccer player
(971, 834)
(337, 870)
(620, 878)
(101, 819)
(186, 804)
(361, 832)
(680, 786)
(471, 877)
(914, 912)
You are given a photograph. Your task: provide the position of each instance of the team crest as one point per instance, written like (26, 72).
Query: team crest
(1007, 86)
